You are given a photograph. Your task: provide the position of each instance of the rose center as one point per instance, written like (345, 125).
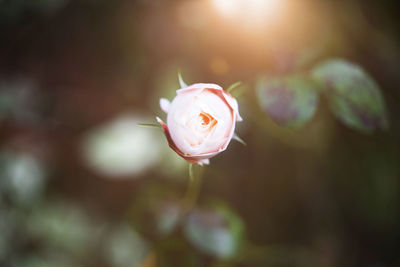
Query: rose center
(207, 119)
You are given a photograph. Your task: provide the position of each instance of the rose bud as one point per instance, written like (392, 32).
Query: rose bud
(200, 121)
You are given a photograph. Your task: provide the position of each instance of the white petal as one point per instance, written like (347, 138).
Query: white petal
(164, 104)
(200, 87)
(203, 161)
(234, 105)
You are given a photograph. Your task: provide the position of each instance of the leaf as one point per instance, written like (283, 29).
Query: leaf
(289, 101)
(123, 246)
(216, 231)
(353, 95)
(181, 82)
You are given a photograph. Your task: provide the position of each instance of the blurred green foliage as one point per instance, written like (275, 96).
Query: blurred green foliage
(217, 231)
(353, 95)
(290, 101)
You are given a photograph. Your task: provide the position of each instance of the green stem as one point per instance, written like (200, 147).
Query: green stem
(193, 190)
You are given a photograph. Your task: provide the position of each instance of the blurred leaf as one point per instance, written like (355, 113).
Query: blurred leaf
(216, 231)
(120, 149)
(125, 247)
(157, 212)
(168, 217)
(20, 100)
(290, 101)
(23, 177)
(353, 95)
(61, 226)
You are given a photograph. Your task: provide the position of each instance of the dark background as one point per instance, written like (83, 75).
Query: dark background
(321, 195)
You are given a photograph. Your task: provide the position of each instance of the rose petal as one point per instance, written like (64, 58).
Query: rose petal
(168, 136)
(200, 87)
(227, 96)
(199, 160)
(164, 104)
(230, 101)
(234, 104)
(203, 161)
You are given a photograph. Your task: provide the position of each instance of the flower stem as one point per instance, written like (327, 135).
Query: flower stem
(191, 175)
(193, 190)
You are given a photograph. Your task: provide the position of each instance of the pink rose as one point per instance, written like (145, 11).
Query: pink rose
(200, 121)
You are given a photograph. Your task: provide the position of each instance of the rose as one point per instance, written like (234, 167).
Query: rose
(200, 121)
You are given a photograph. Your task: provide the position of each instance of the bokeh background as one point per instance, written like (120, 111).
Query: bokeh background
(82, 185)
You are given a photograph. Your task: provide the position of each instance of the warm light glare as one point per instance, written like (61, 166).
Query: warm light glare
(227, 7)
(254, 11)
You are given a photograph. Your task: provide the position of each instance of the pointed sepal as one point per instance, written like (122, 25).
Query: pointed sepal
(240, 140)
(149, 125)
(181, 81)
(233, 86)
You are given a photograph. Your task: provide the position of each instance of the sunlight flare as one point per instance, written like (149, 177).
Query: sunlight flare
(253, 11)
